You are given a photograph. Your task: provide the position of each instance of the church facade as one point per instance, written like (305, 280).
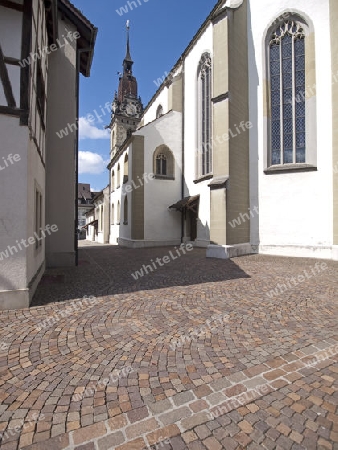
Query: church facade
(237, 151)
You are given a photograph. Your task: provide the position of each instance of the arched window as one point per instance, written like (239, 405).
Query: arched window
(126, 169)
(112, 181)
(164, 163)
(118, 176)
(118, 213)
(125, 211)
(204, 116)
(112, 214)
(159, 111)
(161, 164)
(287, 93)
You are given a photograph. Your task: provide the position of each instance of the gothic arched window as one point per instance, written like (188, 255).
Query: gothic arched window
(204, 113)
(163, 162)
(287, 93)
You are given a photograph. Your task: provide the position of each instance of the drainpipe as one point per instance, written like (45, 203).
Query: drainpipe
(183, 135)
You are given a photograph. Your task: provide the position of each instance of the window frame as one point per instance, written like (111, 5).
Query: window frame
(170, 163)
(204, 167)
(310, 163)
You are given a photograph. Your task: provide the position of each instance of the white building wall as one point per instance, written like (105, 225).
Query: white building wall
(13, 214)
(121, 230)
(161, 99)
(204, 44)
(161, 224)
(295, 208)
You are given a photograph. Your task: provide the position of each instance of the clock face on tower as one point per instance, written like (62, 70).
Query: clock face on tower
(131, 109)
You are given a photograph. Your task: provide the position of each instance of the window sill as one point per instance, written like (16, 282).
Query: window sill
(287, 168)
(125, 223)
(163, 177)
(118, 223)
(204, 178)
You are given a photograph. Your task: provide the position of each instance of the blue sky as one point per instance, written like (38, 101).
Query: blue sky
(160, 30)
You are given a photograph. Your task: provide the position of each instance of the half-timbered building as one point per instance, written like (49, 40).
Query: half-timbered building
(44, 46)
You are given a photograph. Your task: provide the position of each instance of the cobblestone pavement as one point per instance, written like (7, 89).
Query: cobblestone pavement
(198, 354)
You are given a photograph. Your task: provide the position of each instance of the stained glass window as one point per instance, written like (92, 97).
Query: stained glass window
(287, 81)
(205, 115)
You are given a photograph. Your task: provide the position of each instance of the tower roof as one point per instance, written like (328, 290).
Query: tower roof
(128, 83)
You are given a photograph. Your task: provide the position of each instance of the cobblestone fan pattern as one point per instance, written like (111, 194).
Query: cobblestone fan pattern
(169, 395)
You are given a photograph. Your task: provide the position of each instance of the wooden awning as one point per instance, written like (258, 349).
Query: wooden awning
(187, 203)
(93, 222)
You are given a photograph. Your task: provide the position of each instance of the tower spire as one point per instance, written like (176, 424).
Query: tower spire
(128, 57)
(128, 62)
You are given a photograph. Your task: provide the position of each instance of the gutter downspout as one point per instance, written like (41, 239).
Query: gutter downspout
(183, 147)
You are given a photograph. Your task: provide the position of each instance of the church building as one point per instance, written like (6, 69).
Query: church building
(237, 151)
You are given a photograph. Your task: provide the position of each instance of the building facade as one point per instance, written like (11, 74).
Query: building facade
(237, 149)
(44, 46)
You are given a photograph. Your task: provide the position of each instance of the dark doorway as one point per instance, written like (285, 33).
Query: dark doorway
(193, 224)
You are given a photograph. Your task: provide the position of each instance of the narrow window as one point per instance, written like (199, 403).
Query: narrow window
(204, 128)
(125, 211)
(118, 175)
(112, 181)
(118, 213)
(287, 81)
(126, 169)
(161, 164)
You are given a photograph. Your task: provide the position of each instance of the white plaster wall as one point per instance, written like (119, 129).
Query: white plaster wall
(60, 160)
(36, 178)
(121, 230)
(204, 44)
(162, 224)
(295, 208)
(161, 99)
(13, 204)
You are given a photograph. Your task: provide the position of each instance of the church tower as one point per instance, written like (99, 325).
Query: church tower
(127, 107)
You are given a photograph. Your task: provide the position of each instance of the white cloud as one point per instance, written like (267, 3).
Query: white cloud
(89, 131)
(90, 162)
